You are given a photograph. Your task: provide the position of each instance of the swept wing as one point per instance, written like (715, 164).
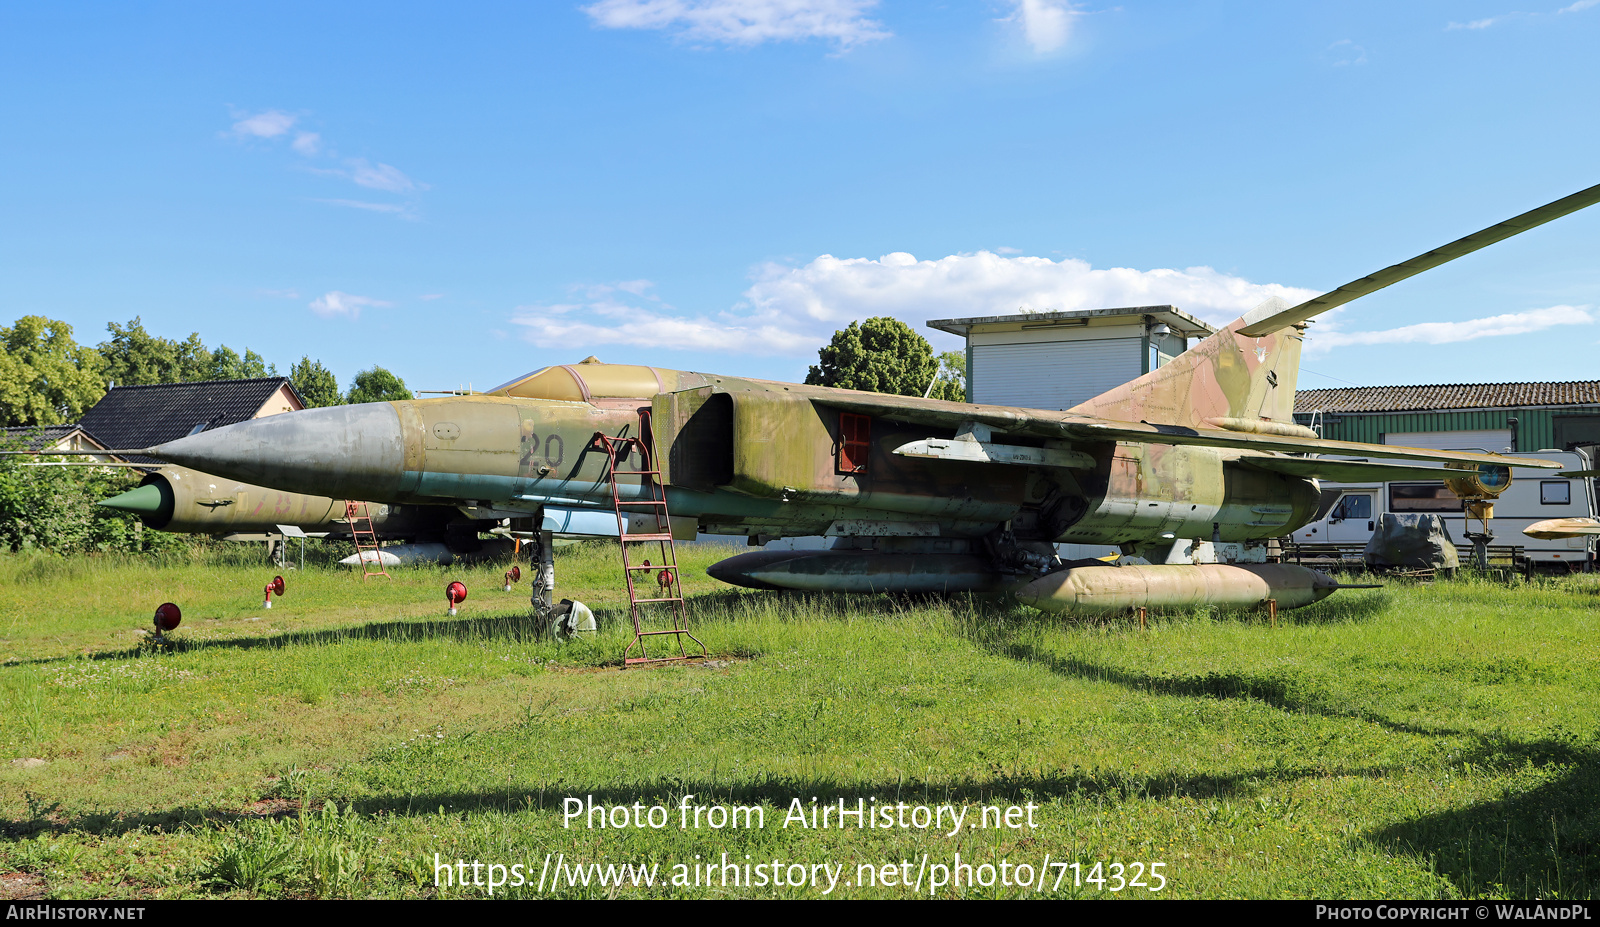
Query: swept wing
(1080, 428)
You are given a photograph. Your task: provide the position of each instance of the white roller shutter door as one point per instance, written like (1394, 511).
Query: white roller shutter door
(1056, 375)
(1493, 440)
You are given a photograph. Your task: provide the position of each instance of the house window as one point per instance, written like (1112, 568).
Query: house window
(854, 442)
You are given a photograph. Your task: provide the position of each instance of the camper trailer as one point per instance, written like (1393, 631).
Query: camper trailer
(1351, 510)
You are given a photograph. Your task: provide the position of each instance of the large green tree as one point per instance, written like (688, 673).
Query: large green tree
(952, 384)
(46, 378)
(882, 355)
(226, 364)
(377, 385)
(134, 357)
(317, 386)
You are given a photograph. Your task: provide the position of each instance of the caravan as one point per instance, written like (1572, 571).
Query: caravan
(1351, 510)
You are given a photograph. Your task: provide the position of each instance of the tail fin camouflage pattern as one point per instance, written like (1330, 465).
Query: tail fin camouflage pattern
(1243, 377)
(1228, 381)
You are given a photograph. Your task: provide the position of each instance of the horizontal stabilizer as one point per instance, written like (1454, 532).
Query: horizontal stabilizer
(1175, 434)
(1347, 471)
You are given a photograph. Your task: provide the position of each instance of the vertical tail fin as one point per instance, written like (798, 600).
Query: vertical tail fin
(1226, 376)
(1247, 371)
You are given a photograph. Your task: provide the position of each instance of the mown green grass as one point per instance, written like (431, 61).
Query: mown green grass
(1412, 742)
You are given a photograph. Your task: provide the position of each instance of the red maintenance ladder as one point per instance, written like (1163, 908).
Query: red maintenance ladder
(669, 588)
(360, 522)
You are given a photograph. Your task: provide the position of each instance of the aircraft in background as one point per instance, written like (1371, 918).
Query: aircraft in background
(186, 501)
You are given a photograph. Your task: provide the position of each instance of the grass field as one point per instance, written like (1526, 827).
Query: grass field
(1409, 742)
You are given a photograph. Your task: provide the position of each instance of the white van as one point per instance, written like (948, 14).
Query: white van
(1534, 495)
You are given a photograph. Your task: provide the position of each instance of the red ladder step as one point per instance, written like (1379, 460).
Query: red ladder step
(359, 518)
(619, 450)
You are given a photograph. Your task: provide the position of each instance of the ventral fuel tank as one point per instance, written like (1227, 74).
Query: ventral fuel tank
(1099, 590)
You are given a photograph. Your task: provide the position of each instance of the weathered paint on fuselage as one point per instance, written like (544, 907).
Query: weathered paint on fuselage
(200, 503)
(759, 457)
(206, 504)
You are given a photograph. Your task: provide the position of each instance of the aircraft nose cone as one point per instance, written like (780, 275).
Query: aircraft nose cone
(146, 500)
(153, 501)
(348, 452)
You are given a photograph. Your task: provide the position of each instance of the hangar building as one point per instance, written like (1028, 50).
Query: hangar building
(1521, 417)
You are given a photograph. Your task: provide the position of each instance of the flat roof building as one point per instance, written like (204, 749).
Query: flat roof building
(1056, 360)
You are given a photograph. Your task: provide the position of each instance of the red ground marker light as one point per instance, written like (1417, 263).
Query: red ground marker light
(276, 586)
(167, 617)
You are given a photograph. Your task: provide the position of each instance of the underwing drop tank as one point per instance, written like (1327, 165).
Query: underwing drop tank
(1552, 529)
(859, 571)
(1100, 590)
(430, 552)
(402, 554)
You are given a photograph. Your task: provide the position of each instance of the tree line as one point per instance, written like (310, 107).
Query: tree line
(47, 378)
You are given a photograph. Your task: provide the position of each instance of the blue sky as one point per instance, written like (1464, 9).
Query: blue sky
(465, 194)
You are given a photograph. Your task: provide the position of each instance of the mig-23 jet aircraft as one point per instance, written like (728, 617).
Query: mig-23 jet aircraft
(922, 495)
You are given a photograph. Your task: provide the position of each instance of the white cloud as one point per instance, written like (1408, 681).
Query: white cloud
(1344, 53)
(831, 289)
(1514, 323)
(398, 210)
(1486, 22)
(384, 177)
(744, 22)
(269, 124)
(577, 325)
(637, 287)
(793, 310)
(1480, 23)
(274, 123)
(335, 303)
(1046, 24)
(381, 177)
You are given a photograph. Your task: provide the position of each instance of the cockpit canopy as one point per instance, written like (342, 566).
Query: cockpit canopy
(588, 381)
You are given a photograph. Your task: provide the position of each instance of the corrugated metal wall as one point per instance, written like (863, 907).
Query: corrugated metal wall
(1535, 427)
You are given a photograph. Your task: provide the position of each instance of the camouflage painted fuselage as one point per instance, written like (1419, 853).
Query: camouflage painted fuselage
(745, 457)
(186, 501)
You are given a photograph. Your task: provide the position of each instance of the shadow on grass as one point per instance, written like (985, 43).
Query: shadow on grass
(520, 627)
(1541, 843)
(1279, 692)
(515, 628)
(776, 791)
